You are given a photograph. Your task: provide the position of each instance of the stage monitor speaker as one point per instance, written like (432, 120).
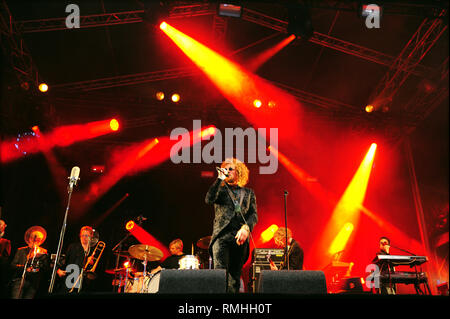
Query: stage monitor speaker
(292, 282)
(196, 281)
(350, 285)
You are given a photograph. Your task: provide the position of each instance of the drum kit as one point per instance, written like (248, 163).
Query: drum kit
(128, 280)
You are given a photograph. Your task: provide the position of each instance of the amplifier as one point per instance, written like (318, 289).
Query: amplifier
(261, 255)
(260, 262)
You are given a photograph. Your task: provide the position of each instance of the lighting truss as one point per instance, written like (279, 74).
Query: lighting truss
(409, 58)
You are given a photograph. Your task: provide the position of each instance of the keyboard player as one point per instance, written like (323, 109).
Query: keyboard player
(385, 267)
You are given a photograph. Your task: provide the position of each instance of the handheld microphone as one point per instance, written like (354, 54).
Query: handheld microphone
(221, 171)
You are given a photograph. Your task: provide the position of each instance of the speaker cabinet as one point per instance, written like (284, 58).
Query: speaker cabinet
(187, 281)
(292, 282)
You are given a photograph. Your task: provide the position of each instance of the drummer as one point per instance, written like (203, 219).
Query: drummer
(172, 262)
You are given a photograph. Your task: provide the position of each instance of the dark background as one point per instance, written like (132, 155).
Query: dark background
(171, 196)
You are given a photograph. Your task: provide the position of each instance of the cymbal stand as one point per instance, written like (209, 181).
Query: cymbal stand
(144, 274)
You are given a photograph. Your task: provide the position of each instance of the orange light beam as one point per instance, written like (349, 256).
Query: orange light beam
(110, 210)
(308, 181)
(347, 209)
(59, 137)
(240, 87)
(341, 239)
(353, 197)
(264, 56)
(140, 157)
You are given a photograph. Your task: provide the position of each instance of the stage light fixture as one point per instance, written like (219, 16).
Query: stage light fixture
(229, 10)
(43, 87)
(257, 103)
(175, 97)
(130, 225)
(160, 96)
(114, 124)
(369, 108)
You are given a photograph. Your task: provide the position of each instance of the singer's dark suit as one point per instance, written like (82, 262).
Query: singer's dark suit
(226, 254)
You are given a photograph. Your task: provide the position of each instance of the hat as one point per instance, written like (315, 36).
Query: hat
(33, 229)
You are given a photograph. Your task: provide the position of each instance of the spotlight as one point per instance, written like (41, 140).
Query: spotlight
(257, 103)
(130, 225)
(114, 124)
(159, 96)
(229, 10)
(271, 104)
(369, 108)
(175, 97)
(163, 25)
(43, 87)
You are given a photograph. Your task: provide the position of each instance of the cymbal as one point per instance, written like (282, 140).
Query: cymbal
(145, 252)
(203, 243)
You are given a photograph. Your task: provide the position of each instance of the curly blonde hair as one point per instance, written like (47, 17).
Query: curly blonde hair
(280, 234)
(242, 171)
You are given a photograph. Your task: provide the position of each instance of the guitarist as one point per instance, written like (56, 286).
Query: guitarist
(294, 251)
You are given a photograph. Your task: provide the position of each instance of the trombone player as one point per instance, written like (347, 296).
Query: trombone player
(80, 254)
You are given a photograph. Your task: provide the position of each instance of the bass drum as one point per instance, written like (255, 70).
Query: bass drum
(144, 284)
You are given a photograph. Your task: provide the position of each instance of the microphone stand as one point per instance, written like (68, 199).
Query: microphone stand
(286, 257)
(61, 239)
(25, 271)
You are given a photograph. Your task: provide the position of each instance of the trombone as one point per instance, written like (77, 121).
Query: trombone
(90, 265)
(92, 261)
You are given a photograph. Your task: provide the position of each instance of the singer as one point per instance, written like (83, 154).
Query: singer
(235, 217)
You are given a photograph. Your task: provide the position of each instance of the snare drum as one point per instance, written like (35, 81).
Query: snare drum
(135, 285)
(189, 262)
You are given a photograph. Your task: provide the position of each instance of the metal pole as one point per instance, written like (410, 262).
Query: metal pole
(419, 210)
